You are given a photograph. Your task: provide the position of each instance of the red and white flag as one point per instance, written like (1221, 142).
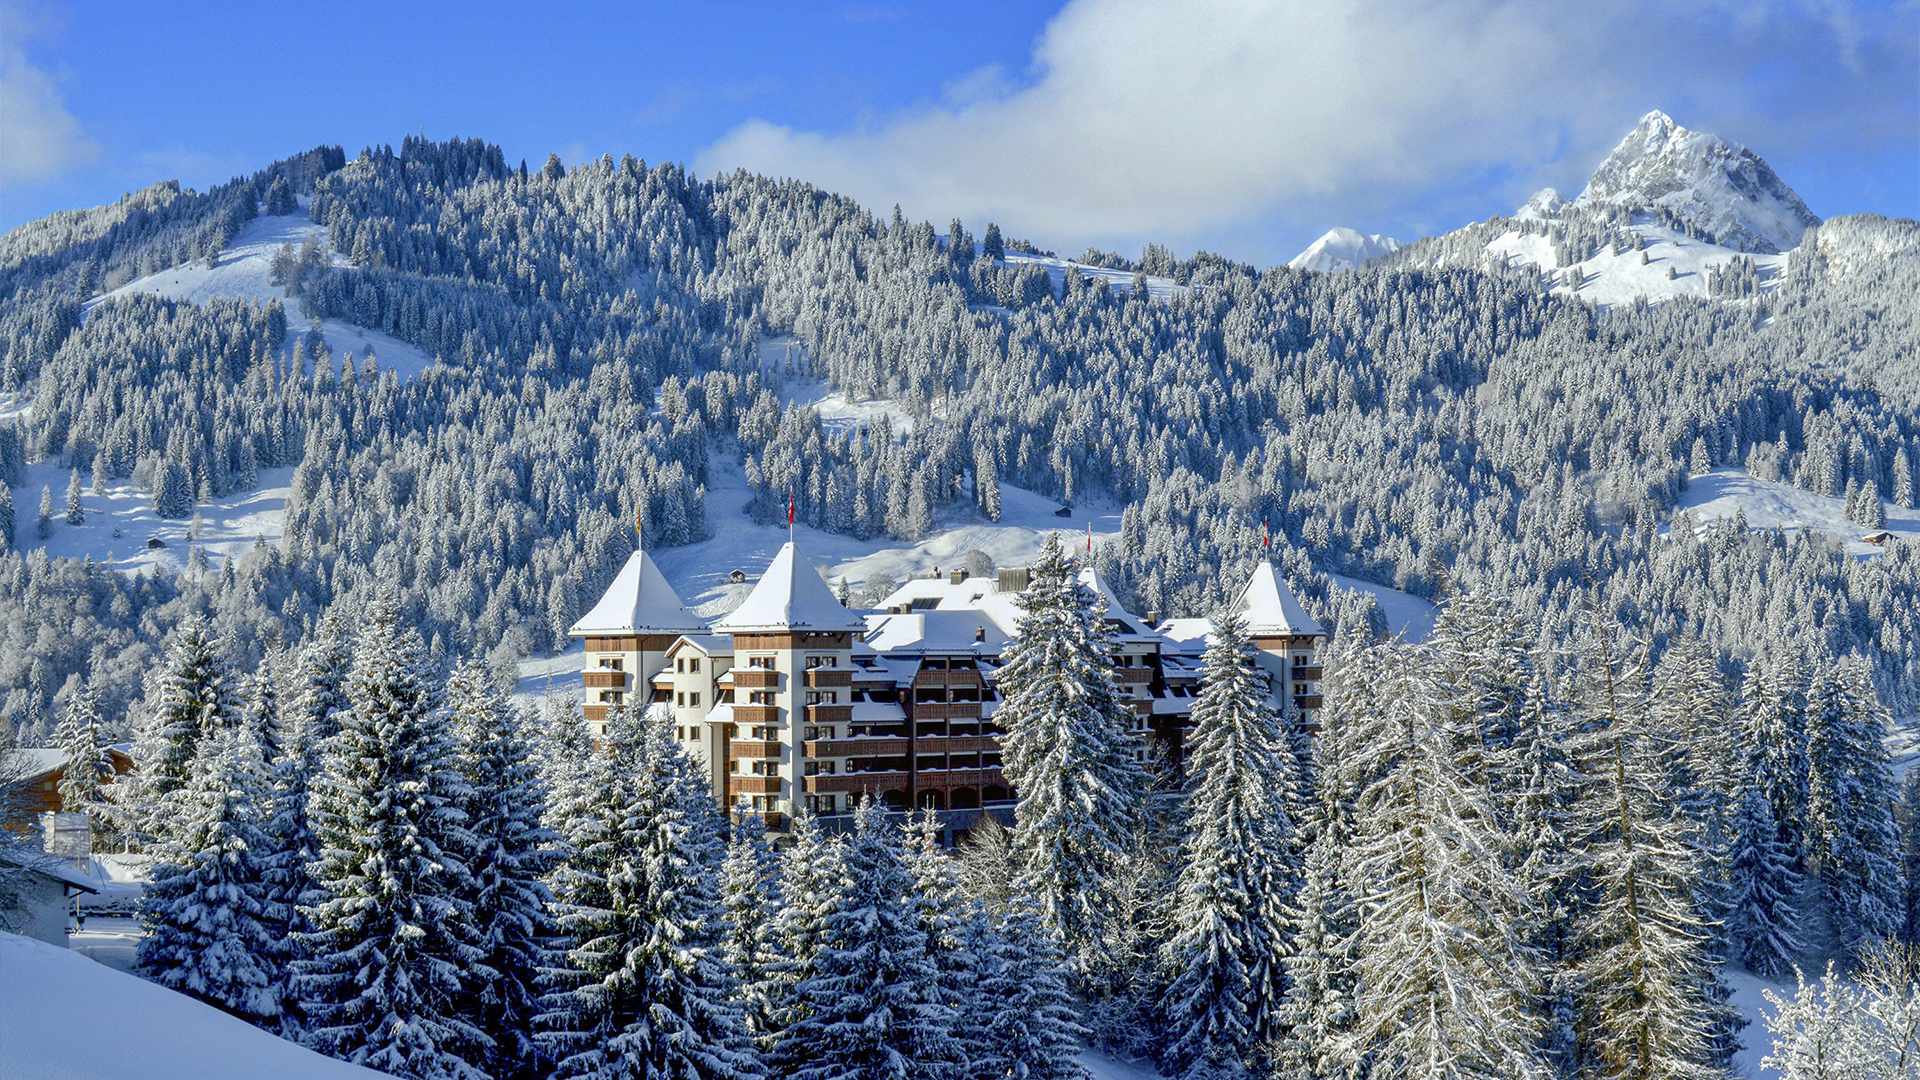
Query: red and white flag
(789, 509)
(1266, 534)
(1089, 537)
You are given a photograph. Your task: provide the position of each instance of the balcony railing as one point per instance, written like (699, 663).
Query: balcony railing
(1307, 674)
(857, 782)
(953, 778)
(1133, 674)
(753, 748)
(954, 744)
(828, 714)
(755, 679)
(604, 679)
(756, 714)
(829, 677)
(753, 785)
(1306, 701)
(880, 747)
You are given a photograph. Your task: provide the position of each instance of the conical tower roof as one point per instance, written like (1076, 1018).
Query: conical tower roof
(1270, 608)
(790, 596)
(639, 602)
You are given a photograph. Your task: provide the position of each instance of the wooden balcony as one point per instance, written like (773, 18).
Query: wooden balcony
(604, 679)
(946, 710)
(595, 713)
(854, 783)
(826, 714)
(1306, 701)
(880, 747)
(945, 779)
(753, 785)
(756, 714)
(1307, 674)
(755, 679)
(753, 748)
(954, 744)
(1133, 675)
(830, 678)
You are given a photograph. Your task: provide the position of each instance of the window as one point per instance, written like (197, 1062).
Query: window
(819, 662)
(823, 697)
(693, 699)
(764, 663)
(820, 804)
(680, 733)
(608, 663)
(680, 699)
(825, 732)
(759, 697)
(821, 768)
(766, 768)
(693, 665)
(766, 734)
(613, 697)
(766, 804)
(680, 665)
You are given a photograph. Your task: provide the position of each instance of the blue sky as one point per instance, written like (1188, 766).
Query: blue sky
(1241, 126)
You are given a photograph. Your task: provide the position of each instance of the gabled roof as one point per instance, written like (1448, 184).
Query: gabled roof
(639, 601)
(1270, 608)
(790, 596)
(1131, 624)
(48, 866)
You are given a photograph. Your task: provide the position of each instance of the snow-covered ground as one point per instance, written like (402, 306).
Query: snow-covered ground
(783, 363)
(1617, 277)
(245, 273)
(64, 1017)
(228, 525)
(1724, 492)
(1158, 288)
(1408, 616)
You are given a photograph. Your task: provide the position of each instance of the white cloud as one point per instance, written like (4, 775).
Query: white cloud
(39, 138)
(1171, 121)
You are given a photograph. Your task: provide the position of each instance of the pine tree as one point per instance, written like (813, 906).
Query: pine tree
(1239, 862)
(1029, 1031)
(76, 514)
(750, 896)
(873, 1008)
(1773, 728)
(191, 698)
(1645, 969)
(392, 948)
(808, 870)
(84, 747)
(1068, 754)
(649, 994)
(44, 528)
(1762, 919)
(952, 923)
(1852, 841)
(7, 534)
(510, 855)
(1909, 818)
(209, 933)
(1444, 976)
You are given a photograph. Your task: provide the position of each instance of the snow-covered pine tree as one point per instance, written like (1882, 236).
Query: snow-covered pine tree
(1762, 920)
(808, 870)
(309, 716)
(950, 919)
(1316, 1014)
(873, 1008)
(1025, 1014)
(76, 513)
(510, 855)
(83, 745)
(1853, 845)
(1644, 967)
(392, 948)
(649, 993)
(1773, 729)
(1909, 818)
(192, 696)
(1239, 867)
(750, 897)
(1068, 754)
(209, 930)
(1444, 975)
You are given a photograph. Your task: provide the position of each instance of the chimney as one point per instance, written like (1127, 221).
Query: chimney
(936, 574)
(1015, 579)
(957, 577)
(979, 633)
(1153, 618)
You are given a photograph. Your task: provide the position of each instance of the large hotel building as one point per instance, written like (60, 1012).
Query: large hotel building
(793, 699)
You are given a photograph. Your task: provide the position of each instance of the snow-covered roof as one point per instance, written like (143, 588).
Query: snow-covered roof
(1186, 635)
(38, 761)
(936, 630)
(873, 712)
(1132, 624)
(790, 596)
(639, 601)
(1270, 607)
(711, 644)
(58, 869)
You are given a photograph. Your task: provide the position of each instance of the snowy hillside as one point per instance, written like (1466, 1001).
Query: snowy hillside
(1119, 280)
(244, 272)
(1721, 188)
(1343, 249)
(1670, 264)
(120, 522)
(1723, 493)
(64, 1017)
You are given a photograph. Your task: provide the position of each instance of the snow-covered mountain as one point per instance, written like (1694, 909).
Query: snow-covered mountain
(1343, 249)
(1721, 189)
